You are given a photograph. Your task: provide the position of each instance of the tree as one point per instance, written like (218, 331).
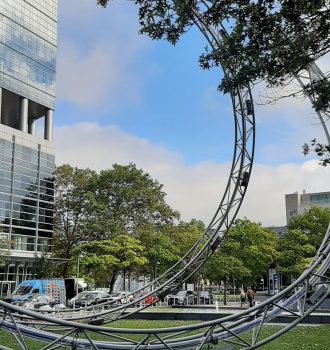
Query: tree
(313, 222)
(166, 244)
(267, 40)
(186, 234)
(224, 267)
(254, 245)
(160, 250)
(320, 149)
(131, 198)
(294, 253)
(245, 253)
(75, 206)
(105, 259)
(42, 266)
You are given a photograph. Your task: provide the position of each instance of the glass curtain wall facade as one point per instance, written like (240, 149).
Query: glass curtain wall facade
(27, 163)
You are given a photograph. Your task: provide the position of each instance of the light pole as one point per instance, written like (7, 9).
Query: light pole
(263, 284)
(78, 270)
(155, 270)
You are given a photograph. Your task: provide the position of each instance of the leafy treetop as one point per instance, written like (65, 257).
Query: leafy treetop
(270, 40)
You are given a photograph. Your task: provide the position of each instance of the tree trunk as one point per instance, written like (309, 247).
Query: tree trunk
(129, 281)
(124, 280)
(225, 293)
(65, 270)
(112, 282)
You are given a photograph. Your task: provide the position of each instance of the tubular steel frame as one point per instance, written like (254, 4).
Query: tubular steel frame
(309, 291)
(64, 328)
(172, 279)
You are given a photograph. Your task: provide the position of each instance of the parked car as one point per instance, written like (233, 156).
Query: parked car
(88, 298)
(123, 297)
(39, 302)
(182, 297)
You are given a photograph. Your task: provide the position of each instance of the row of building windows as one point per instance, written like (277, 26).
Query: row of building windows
(27, 243)
(320, 198)
(26, 190)
(10, 82)
(4, 214)
(24, 41)
(26, 150)
(44, 214)
(40, 22)
(6, 229)
(26, 70)
(28, 181)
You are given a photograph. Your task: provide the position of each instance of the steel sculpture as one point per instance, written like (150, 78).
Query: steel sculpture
(82, 329)
(309, 291)
(244, 143)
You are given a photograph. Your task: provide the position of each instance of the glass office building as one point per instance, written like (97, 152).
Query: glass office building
(27, 97)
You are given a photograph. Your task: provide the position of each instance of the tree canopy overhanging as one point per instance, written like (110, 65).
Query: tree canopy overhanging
(269, 40)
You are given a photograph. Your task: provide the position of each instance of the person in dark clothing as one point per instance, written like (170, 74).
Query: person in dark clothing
(250, 296)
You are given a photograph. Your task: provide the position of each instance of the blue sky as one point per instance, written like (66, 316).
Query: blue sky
(123, 98)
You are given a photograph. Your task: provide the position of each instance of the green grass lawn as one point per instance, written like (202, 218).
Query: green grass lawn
(300, 338)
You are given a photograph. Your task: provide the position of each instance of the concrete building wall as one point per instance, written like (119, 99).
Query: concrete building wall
(296, 203)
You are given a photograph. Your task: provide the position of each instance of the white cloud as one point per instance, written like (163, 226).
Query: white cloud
(78, 80)
(193, 190)
(99, 53)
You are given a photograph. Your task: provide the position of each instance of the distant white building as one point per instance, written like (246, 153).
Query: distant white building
(296, 203)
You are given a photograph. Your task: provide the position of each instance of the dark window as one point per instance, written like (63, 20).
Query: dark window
(45, 226)
(4, 228)
(24, 223)
(23, 231)
(46, 205)
(25, 201)
(42, 233)
(46, 198)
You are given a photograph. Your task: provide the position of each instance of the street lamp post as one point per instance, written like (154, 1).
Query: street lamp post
(78, 270)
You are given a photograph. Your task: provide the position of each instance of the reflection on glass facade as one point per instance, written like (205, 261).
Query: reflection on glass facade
(27, 93)
(26, 196)
(28, 49)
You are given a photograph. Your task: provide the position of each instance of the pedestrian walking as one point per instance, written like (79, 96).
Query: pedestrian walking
(242, 297)
(250, 296)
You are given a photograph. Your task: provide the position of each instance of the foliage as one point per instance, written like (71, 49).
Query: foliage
(160, 250)
(74, 207)
(167, 244)
(294, 253)
(223, 267)
(266, 40)
(103, 260)
(42, 266)
(185, 234)
(131, 198)
(245, 253)
(270, 40)
(313, 222)
(299, 244)
(91, 207)
(320, 149)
